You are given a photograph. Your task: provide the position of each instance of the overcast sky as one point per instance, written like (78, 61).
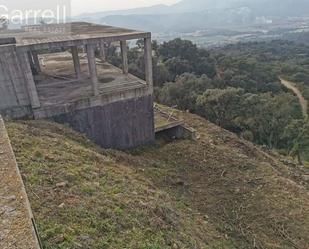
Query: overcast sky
(81, 6)
(78, 6)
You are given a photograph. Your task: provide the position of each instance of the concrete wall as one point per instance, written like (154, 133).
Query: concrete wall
(120, 125)
(16, 219)
(13, 90)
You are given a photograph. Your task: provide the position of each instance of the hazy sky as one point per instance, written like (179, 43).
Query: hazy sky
(81, 6)
(78, 6)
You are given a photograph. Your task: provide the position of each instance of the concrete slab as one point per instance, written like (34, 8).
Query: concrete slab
(76, 31)
(164, 120)
(57, 84)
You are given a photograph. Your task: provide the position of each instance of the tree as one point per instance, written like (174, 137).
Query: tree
(184, 91)
(178, 48)
(297, 133)
(221, 106)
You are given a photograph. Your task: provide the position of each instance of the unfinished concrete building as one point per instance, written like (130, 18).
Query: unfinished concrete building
(51, 71)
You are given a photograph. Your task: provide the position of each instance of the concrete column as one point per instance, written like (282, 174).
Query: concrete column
(30, 84)
(36, 61)
(76, 62)
(92, 68)
(30, 59)
(102, 51)
(124, 54)
(148, 61)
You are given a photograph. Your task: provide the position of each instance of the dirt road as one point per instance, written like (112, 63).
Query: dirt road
(303, 102)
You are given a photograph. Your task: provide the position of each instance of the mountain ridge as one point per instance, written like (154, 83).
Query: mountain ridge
(264, 7)
(192, 15)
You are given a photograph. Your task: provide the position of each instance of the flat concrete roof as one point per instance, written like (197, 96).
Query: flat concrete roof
(76, 31)
(57, 84)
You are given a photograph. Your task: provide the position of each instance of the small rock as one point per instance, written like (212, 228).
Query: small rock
(61, 184)
(84, 238)
(59, 239)
(61, 205)
(180, 183)
(97, 184)
(306, 178)
(10, 210)
(95, 174)
(11, 198)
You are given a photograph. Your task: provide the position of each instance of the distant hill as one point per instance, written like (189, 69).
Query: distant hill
(156, 9)
(191, 15)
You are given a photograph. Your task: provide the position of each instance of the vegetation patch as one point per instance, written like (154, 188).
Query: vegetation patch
(217, 192)
(237, 87)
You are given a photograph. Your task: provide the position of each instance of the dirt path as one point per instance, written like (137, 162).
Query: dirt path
(303, 102)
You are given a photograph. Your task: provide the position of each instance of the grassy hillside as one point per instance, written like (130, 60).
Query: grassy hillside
(217, 192)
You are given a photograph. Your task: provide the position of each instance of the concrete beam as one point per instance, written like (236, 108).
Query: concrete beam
(102, 51)
(30, 84)
(92, 68)
(76, 62)
(124, 54)
(36, 61)
(82, 42)
(31, 61)
(148, 62)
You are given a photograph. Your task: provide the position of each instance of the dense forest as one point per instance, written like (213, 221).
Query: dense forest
(236, 87)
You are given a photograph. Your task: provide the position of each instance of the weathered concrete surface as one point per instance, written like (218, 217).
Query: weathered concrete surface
(13, 91)
(92, 69)
(16, 229)
(70, 34)
(63, 93)
(120, 125)
(58, 84)
(113, 107)
(50, 93)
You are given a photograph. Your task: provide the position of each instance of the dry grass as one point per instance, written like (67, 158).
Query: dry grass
(217, 192)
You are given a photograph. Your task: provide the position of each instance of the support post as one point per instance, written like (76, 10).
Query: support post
(36, 61)
(30, 84)
(76, 62)
(92, 68)
(102, 51)
(30, 59)
(124, 53)
(148, 62)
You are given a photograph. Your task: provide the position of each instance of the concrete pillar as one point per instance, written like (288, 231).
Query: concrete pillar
(102, 51)
(124, 54)
(36, 61)
(148, 61)
(76, 62)
(30, 84)
(30, 59)
(92, 68)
